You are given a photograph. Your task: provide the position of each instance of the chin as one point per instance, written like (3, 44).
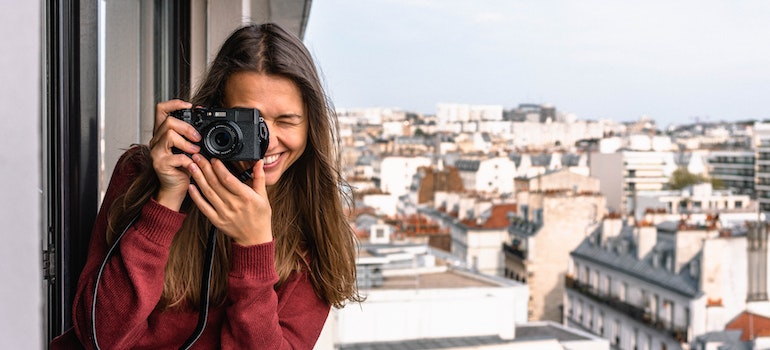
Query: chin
(270, 180)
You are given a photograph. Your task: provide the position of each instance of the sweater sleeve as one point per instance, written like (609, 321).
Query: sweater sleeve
(132, 281)
(261, 317)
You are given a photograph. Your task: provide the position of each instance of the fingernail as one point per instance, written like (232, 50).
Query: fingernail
(197, 135)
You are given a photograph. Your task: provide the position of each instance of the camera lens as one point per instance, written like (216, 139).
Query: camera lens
(223, 140)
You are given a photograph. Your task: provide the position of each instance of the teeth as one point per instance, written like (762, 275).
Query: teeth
(271, 159)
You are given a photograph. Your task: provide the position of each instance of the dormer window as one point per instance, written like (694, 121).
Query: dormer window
(695, 268)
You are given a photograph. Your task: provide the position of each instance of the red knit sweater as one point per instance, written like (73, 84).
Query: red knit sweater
(255, 315)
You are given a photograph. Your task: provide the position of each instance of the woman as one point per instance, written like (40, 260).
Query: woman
(285, 253)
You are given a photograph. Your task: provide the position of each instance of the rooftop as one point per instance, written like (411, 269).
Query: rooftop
(643, 269)
(447, 279)
(524, 333)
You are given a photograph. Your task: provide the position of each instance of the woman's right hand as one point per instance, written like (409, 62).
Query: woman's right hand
(171, 167)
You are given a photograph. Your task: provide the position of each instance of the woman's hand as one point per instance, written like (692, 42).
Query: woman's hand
(171, 168)
(236, 209)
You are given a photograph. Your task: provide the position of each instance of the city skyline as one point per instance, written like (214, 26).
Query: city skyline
(680, 62)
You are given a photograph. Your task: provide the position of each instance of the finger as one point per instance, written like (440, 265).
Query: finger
(163, 109)
(225, 177)
(258, 178)
(203, 204)
(181, 161)
(182, 128)
(207, 181)
(171, 138)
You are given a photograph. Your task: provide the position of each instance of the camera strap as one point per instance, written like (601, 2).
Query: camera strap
(242, 176)
(204, 287)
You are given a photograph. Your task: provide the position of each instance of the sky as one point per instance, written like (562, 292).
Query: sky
(674, 61)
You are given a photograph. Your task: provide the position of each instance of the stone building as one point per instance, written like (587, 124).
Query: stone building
(556, 212)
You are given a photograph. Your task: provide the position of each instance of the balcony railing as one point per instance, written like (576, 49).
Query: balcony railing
(521, 254)
(632, 311)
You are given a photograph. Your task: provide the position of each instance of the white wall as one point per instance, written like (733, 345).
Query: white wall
(393, 315)
(397, 172)
(21, 290)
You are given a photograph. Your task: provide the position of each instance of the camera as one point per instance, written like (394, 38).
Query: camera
(228, 133)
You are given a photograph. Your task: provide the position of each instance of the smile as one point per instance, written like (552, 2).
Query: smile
(272, 158)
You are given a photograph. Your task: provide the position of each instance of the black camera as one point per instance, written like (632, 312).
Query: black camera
(228, 133)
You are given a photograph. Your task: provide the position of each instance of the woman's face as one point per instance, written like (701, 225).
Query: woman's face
(280, 103)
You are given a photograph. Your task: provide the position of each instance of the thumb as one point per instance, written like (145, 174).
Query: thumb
(258, 180)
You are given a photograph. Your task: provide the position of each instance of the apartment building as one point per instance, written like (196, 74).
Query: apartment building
(556, 212)
(735, 169)
(625, 173)
(417, 299)
(762, 159)
(478, 227)
(487, 175)
(698, 198)
(545, 135)
(413, 293)
(661, 286)
(397, 173)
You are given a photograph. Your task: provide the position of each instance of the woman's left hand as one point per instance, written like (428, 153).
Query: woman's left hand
(236, 209)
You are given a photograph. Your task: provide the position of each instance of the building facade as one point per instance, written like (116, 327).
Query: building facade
(626, 173)
(656, 287)
(487, 175)
(762, 159)
(552, 221)
(734, 169)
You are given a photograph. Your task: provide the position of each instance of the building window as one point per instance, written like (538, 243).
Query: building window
(668, 313)
(580, 311)
(623, 292)
(600, 323)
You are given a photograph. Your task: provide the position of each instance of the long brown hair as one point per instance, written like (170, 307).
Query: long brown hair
(310, 228)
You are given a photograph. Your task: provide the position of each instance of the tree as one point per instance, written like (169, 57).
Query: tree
(682, 178)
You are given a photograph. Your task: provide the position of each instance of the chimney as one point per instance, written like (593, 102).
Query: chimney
(611, 226)
(646, 237)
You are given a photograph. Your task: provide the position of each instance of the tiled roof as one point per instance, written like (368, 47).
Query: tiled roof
(751, 324)
(498, 217)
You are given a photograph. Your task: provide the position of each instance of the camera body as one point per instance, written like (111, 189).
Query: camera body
(228, 133)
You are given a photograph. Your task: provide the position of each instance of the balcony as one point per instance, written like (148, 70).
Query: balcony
(524, 228)
(515, 251)
(641, 315)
